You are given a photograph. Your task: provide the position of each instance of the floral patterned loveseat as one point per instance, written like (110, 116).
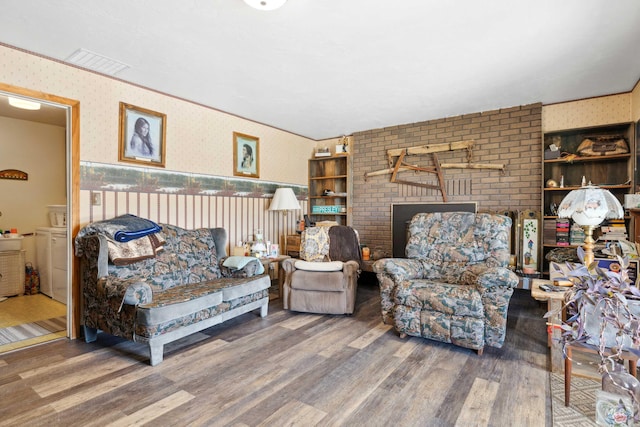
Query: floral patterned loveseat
(179, 291)
(454, 286)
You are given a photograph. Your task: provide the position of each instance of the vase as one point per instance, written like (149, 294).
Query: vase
(618, 381)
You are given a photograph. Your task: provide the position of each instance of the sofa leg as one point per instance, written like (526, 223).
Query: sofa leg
(90, 334)
(155, 352)
(402, 335)
(264, 310)
(480, 350)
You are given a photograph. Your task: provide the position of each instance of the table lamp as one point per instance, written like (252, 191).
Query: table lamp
(284, 200)
(588, 206)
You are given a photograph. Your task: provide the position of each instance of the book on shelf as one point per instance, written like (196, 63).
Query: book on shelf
(613, 229)
(576, 235)
(549, 231)
(562, 232)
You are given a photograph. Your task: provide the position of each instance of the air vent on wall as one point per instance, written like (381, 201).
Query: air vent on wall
(93, 61)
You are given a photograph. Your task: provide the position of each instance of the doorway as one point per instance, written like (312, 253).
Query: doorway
(39, 315)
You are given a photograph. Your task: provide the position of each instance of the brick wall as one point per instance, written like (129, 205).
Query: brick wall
(511, 136)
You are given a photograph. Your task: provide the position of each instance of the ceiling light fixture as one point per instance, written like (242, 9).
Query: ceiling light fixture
(24, 104)
(265, 4)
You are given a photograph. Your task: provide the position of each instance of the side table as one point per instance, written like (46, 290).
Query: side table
(555, 301)
(273, 266)
(367, 265)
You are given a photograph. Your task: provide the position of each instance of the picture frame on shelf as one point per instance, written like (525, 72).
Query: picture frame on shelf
(246, 155)
(142, 136)
(528, 243)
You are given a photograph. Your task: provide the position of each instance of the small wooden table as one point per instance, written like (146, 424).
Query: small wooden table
(367, 265)
(555, 301)
(273, 266)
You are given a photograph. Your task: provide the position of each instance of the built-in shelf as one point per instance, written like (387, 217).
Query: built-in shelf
(329, 174)
(612, 172)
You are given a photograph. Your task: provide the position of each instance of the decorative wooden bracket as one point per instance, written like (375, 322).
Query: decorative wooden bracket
(14, 174)
(400, 165)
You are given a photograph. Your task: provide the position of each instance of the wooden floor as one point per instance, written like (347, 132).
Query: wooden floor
(286, 369)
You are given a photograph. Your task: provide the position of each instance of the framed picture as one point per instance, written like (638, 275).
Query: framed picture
(246, 155)
(528, 244)
(142, 136)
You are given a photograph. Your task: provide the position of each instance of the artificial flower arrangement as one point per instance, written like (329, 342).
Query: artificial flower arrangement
(603, 311)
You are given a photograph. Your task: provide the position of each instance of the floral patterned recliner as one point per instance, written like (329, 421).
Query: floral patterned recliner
(454, 286)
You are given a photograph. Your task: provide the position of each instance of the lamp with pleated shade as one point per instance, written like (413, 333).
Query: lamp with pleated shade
(284, 200)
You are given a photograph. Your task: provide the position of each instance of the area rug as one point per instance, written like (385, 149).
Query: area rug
(582, 406)
(31, 330)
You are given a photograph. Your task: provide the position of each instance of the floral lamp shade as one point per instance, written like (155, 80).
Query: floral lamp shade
(590, 205)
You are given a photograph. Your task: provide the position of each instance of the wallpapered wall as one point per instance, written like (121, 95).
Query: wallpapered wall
(589, 112)
(635, 103)
(199, 140)
(188, 200)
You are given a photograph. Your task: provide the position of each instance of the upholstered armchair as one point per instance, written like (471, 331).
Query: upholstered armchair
(454, 285)
(325, 278)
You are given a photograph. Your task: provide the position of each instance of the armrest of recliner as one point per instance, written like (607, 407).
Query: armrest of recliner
(399, 269)
(496, 286)
(289, 265)
(350, 269)
(391, 272)
(497, 276)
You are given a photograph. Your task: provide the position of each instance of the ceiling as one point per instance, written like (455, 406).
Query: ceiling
(47, 114)
(327, 68)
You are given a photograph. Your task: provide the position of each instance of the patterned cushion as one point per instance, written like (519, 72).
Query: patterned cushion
(231, 267)
(189, 257)
(441, 297)
(314, 244)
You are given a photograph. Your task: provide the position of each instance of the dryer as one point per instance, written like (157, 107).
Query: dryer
(52, 258)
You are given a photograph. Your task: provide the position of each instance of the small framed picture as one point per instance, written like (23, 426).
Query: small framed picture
(246, 155)
(142, 136)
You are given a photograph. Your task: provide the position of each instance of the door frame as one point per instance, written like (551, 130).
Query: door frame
(73, 188)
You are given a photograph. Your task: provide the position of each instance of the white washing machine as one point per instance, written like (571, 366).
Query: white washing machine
(52, 257)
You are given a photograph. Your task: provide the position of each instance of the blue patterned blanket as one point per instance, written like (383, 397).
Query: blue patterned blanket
(121, 229)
